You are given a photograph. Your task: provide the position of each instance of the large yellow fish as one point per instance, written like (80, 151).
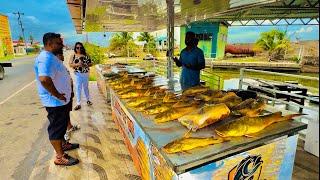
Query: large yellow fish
(138, 101)
(158, 108)
(250, 108)
(174, 113)
(207, 115)
(195, 90)
(143, 106)
(185, 102)
(188, 143)
(247, 126)
(228, 97)
(207, 96)
(170, 97)
(133, 94)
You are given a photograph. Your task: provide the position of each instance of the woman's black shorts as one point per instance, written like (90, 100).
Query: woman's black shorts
(58, 118)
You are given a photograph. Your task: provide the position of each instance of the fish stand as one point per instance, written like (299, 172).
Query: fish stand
(268, 155)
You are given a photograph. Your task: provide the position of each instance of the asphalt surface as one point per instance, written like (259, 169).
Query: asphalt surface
(16, 77)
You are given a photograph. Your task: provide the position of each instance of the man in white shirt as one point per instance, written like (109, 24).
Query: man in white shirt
(54, 88)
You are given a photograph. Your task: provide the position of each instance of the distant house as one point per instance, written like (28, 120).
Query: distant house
(20, 48)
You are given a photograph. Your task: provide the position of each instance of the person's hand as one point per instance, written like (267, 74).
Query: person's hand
(79, 64)
(61, 97)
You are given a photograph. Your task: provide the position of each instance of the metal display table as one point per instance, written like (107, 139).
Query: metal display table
(269, 155)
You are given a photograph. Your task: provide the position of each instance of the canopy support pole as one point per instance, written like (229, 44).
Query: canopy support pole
(170, 35)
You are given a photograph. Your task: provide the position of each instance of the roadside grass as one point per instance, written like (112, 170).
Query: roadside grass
(12, 57)
(92, 75)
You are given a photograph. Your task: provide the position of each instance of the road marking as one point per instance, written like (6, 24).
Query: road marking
(14, 94)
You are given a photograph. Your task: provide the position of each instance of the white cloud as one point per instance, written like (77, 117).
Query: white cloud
(304, 30)
(309, 29)
(32, 19)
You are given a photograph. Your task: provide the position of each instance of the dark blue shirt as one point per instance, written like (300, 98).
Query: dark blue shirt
(190, 77)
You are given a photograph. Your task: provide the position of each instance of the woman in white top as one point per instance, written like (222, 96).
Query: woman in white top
(81, 64)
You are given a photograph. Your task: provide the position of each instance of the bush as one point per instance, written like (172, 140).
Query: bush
(96, 53)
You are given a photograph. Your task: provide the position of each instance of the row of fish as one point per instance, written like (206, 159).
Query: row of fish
(196, 108)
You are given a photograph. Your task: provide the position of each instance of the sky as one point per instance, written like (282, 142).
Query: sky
(41, 16)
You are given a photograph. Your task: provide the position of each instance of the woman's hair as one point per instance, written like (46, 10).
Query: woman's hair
(82, 50)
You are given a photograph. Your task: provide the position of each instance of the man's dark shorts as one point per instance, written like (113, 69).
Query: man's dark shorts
(58, 118)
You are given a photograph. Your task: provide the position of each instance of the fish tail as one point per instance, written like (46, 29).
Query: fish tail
(289, 117)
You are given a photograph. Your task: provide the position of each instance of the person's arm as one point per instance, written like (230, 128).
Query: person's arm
(90, 62)
(46, 71)
(47, 83)
(201, 63)
(72, 64)
(177, 61)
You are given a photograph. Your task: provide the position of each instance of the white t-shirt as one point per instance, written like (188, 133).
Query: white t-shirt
(46, 64)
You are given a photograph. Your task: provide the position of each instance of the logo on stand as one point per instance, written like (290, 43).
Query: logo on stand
(248, 169)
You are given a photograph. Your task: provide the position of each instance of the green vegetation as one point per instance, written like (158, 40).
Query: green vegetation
(122, 44)
(95, 52)
(7, 58)
(275, 42)
(150, 46)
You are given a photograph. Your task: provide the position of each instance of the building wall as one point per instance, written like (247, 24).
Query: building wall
(6, 47)
(212, 37)
(222, 41)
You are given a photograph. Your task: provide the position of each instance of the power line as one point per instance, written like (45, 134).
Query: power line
(22, 29)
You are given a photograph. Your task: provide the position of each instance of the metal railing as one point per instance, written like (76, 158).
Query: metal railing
(212, 80)
(274, 91)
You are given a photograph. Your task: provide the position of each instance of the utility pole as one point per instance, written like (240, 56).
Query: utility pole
(22, 29)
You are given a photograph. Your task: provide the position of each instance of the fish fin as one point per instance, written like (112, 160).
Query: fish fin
(187, 134)
(186, 152)
(289, 117)
(249, 136)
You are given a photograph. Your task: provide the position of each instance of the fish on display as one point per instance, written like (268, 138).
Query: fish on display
(230, 96)
(138, 101)
(207, 115)
(250, 108)
(174, 114)
(207, 96)
(195, 90)
(158, 108)
(133, 94)
(247, 126)
(185, 102)
(188, 143)
(145, 105)
(170, 97)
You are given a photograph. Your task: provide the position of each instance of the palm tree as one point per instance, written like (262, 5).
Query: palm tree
(148, 38)
(121, 41)
(275, 42)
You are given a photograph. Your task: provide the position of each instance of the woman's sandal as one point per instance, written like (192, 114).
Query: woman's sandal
(77, 107)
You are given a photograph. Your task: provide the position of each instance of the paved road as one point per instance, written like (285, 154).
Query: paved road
(16, 77)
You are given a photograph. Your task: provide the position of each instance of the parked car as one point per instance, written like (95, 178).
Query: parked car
(149, 57)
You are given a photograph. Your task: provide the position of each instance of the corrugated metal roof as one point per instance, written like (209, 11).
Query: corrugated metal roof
(151, 15)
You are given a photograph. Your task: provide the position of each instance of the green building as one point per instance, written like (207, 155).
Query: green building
(212, 36)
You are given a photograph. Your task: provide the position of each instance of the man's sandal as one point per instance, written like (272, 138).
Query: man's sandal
(66, 160)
